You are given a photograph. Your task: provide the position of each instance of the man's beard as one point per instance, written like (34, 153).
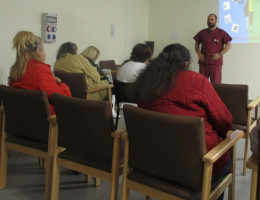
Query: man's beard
(211, 25)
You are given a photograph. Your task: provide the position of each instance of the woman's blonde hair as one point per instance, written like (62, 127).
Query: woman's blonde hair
(26, 44)
(91, 52)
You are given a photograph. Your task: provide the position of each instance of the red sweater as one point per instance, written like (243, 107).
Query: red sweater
(193, 95)
(38, 76)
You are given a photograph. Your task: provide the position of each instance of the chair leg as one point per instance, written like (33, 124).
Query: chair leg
(42, 163)
(3, 165)
(125, 193)
(115, 169)
(245, 154)
(231, 187)
(109, 94)
(3, 152)
(113, 189)
(148, 198)
(117, 116)
(52, 180)
(253, 190)
(96, 181)
(88, 178)
(125, 189)
(45, 166)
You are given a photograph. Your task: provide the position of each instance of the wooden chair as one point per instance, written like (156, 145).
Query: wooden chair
(25, 129)
(78, 86)
(1, 116)
(253, 163)
(122, 95)
(109, 64)
(235, 97)
(92, 147)
(165, 157)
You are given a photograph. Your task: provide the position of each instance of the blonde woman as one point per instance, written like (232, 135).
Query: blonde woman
(29, 70)
(92, 53)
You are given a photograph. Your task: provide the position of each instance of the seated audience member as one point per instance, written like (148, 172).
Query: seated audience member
(29, 70)
(67, 47)
(167, 86)
(130, 70)
(71, 62)
(91, 53)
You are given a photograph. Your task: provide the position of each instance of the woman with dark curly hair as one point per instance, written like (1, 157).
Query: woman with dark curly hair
(130, 70)
(167, 86)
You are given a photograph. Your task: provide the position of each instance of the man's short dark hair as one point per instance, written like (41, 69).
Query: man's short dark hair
(214, 16)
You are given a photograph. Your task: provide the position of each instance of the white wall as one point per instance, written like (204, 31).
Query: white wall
(175, 21)
(88, 22)
(84, 22)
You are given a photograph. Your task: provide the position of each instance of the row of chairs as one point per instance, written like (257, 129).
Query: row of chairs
(235, 97)
(245, 117)
(77, 81)
(80, 137)
(161, 164)
(78, 87)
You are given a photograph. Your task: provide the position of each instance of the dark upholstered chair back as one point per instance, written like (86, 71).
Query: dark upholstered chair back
(121, 91)
(26, 113)
(166, 146)
(75, 81)
(85, 126)
(109, 64)
(235, 97)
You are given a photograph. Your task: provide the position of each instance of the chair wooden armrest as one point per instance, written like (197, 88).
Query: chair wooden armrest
(93, 90)
(118, 133)
(254, 103)
(115, 71)
(52, 119)
(107, 87)
(252, 122)
(214, 154)
(124, 136)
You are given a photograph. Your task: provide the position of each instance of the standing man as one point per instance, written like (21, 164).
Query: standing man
(215, 42)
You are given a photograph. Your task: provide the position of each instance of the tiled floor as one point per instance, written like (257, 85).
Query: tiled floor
(25, 181)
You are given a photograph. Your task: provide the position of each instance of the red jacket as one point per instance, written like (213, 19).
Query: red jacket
(193, 95)
(38, 76)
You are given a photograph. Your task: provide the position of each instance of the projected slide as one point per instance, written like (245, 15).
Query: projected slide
(240, 19)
